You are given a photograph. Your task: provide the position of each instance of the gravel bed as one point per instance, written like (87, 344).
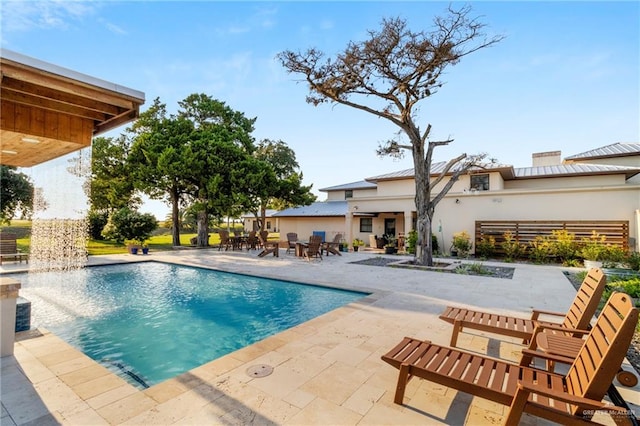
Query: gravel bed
(464, 268)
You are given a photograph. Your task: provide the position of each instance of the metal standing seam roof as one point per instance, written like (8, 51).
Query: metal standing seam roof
(319, 208)
(268, 213)
(437, 168)
(618, 149)
(573, 170)
(362, 184)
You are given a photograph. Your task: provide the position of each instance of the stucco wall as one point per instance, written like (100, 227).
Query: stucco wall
(304, 226)
(592, 204)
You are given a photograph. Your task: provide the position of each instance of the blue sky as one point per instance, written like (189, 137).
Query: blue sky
(566, 77)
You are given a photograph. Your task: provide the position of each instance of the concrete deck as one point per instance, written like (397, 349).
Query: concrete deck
(326, 371)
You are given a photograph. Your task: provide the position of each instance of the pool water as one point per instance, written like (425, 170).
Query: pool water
(152, 321)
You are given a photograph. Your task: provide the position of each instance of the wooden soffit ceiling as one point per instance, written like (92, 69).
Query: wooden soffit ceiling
(48, 111)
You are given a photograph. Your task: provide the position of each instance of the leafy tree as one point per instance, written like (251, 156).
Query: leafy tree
(156, 159)
(16, 193)
(286, 189)
(399, 67)
(112, 186)
(216, 156)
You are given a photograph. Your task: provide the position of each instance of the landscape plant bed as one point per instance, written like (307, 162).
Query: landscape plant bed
(633, 353)
(455, 267)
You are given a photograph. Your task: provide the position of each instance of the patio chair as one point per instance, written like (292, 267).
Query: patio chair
(562, 348)
(314, 248)
(577, 318)
(252, 241)
(9, 248)
(568, 399)
(272, 247)
(332, 246)
(292, 238)
(225, 240)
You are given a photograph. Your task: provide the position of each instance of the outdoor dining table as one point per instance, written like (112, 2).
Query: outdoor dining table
(237, 241)
(300, 247)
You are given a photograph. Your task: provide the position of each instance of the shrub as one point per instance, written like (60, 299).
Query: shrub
(633, 260)
(486, 246)
(593, 247)
(612, 256)
(462, 243)
(512, 248)
(412, 240)
(434, 243)
(541, 249)
(127, 224)
(565, 246)
(97, 222)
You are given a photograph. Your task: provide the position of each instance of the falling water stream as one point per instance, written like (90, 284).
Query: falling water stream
(59, 230)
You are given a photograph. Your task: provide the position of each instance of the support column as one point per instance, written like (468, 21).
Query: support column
(8, 295)
(408, 222)
(348, 218)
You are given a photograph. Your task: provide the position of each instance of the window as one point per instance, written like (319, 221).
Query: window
(480, 182)
(348, 193)
(366, 224)
(268, 225)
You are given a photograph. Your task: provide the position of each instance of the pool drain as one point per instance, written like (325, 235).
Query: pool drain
(260, 370)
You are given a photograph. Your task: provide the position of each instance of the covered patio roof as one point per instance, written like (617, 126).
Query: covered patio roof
(48, 111)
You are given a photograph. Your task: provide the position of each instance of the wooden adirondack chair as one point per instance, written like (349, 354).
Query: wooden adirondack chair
(225, 240)
(314, 249)
(268, 246)
(569, 399)
(332, 246)
(292, 238)
(577, 318)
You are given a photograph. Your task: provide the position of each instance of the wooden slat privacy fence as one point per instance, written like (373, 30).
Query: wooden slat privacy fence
(525, 231)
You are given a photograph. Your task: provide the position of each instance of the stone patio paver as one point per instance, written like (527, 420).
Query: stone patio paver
(327, 371)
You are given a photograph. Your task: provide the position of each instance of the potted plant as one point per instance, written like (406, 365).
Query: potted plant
(145, 248)
(391, 247)
(592, 250)
(133, 245)
(357, 243)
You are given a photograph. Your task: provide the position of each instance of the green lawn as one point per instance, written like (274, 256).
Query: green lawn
(162, 241)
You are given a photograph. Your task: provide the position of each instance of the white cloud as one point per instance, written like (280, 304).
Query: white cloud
(114, 28)
(28, 15)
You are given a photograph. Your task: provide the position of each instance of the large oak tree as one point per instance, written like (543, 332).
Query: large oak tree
(399, 67)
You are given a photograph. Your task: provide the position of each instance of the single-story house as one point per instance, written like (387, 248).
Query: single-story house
(602, 184)
(250, 223)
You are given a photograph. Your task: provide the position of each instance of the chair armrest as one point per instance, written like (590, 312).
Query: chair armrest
(586, 403)
(542, 327)
(535, 313)
(547, 356)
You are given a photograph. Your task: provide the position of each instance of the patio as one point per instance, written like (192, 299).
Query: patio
(326, 371)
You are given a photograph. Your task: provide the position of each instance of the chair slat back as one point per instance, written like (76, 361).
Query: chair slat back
(8, 243)
(224, 237)
(315, 241)
(586, 301)
(602, 354)
(292, 237)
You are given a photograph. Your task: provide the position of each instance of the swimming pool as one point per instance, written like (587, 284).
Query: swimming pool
(152, 321)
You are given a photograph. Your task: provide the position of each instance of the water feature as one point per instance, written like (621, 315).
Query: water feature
(59, 229)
